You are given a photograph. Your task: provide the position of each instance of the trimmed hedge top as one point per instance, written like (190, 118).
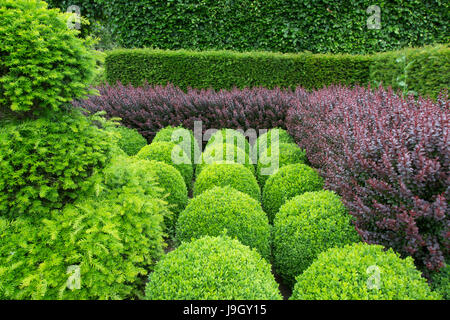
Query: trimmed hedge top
(130, 141)
(362, 272)
(220, 209)
(306, 226)
(212, 268)
(226, 69)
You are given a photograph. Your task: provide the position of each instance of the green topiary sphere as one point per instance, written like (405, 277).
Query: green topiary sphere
(226, 208)
(46, 163)
(264, 141)
(441, 282)
(43, 64)
(226, 153)
(234, 175)
(305, 226)
(290, 181)
(212, 268)
(287, 153)
(230, 136)
(130, 141)
(183, 137)
(172, 154)
(361, 272)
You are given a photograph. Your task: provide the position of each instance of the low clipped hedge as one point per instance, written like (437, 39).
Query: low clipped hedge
(234, 175)
(304, 227)
(230, 136)
(288, 182)
(351, 272)
(424, 71)
(225, 208)
(225, 153)
(212, 268)
(183, 137)
(441, 282)
(277, 157)
(130, 140)
(228, 69)
(164, 151)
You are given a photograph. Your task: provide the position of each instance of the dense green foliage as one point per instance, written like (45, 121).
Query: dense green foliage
(130, 141)
(183, 137)
(113, 238)
(351, 272)
(222, 174)
(306, 226)
(424, 71)
(226, 153)
(230, 136)
(43, 64)
(283, 154)
(220, 209)
(137, 175)
(212, 268)
(278, 25)
(441, 282)
(228, 69)
(168, 152)
(46, 163)
(289, 181)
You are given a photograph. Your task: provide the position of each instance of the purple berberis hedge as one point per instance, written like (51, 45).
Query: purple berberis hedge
(388, 157)
(150, 108)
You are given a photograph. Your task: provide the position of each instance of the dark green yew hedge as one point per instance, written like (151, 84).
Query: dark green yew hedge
(427, 74)
(228, 69)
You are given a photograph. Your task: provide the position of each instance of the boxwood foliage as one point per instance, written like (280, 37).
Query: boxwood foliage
(225, 153)
(183, 137)
(266, 139)
(109, 240)
(362, 272)
(283, 154)
(441, 282)
(290, 181)
(234, 175)
(212, 268)
(130, 140)
(224, 208)
(46, 163)
(230, 136)
(172, 154)
(305, 226)
(43, 64)
(136, 175)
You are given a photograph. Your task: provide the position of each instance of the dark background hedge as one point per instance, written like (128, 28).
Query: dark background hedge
(319, 26)
(427, 75)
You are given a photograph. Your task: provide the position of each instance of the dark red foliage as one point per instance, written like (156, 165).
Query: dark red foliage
(388, 157)
(149, 109)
